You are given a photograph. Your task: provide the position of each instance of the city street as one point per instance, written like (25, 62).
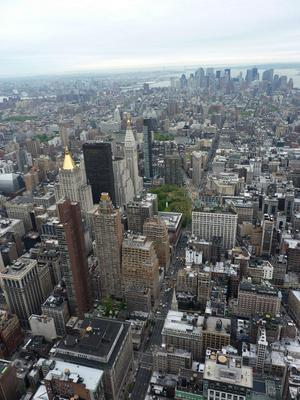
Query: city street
(144, 357)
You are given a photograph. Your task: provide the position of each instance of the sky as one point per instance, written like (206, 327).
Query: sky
(65, 36)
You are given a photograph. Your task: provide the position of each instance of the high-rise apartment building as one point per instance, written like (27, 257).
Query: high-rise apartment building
(148, 130)
(214, 223)
(257, 299)
(108, 231)
(25, 285)
(73, 185)
(140, 264)
(73, 257)
(99, 169)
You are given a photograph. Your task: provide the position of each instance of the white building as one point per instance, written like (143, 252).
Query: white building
(42, 325)
(209, 224)
(132, 160)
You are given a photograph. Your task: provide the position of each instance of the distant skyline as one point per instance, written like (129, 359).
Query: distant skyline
(71, 36)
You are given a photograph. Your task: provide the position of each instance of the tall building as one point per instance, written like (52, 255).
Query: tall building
(267, 235)
(156, 230)
(209, 224)
(101, 344)
(73, 185)
(99, 169)
(225, 377)
(140, 264)
(123, 183)
(73, 257)
(108, 231)
(148, 129)
(56, 307)
(197, 163)
(139, 210)
(25, 285)
(131, 157)
(8, 381)
(173, 170)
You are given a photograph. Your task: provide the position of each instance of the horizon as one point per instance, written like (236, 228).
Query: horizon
(71, 37)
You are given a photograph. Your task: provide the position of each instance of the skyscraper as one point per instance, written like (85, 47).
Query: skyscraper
(140, 264)
(173, 171)
(108, 232)
(99, 169)
(132, 159)
(156, 230)
(148, 129)
(25, 285)
(72, 183)
(73, 257)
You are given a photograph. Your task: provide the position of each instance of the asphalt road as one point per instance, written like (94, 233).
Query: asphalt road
(142, 382)
(144, 357)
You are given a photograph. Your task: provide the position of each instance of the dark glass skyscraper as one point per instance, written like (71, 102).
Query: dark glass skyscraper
(148, 129)
(99, 169)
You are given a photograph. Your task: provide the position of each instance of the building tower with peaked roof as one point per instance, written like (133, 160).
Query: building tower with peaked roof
(174, 304)
(108, 231)
(73, 257)
(132, 158)
(73, 184)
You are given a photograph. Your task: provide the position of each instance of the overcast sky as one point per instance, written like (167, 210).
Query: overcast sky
(55, 36)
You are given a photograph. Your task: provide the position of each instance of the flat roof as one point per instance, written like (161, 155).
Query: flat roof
(90, 377)
(237, 376)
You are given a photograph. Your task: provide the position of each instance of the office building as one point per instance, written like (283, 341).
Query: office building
(101, 344)
(140, 264)
(156, 230)
(69, 380)
(18, 208)
(148, 131)
(99, 169)
(123, 183)
(225, 377)
(108, 231)
(173, 170)
(72, 183)
(142, 208)
(26, 285)
(56, 306)
(215, 223)
(131, 157)
(73, 257)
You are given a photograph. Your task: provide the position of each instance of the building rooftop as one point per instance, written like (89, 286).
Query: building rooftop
(171, 219)
(97, 345)
(228, 370)
(8, 224)
(19, 268)
(64, 371)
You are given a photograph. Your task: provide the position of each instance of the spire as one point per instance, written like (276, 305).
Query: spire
(129, 136)
(174, 304)
(69, 163)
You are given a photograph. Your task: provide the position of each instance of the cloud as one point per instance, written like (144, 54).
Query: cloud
(54, 36)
